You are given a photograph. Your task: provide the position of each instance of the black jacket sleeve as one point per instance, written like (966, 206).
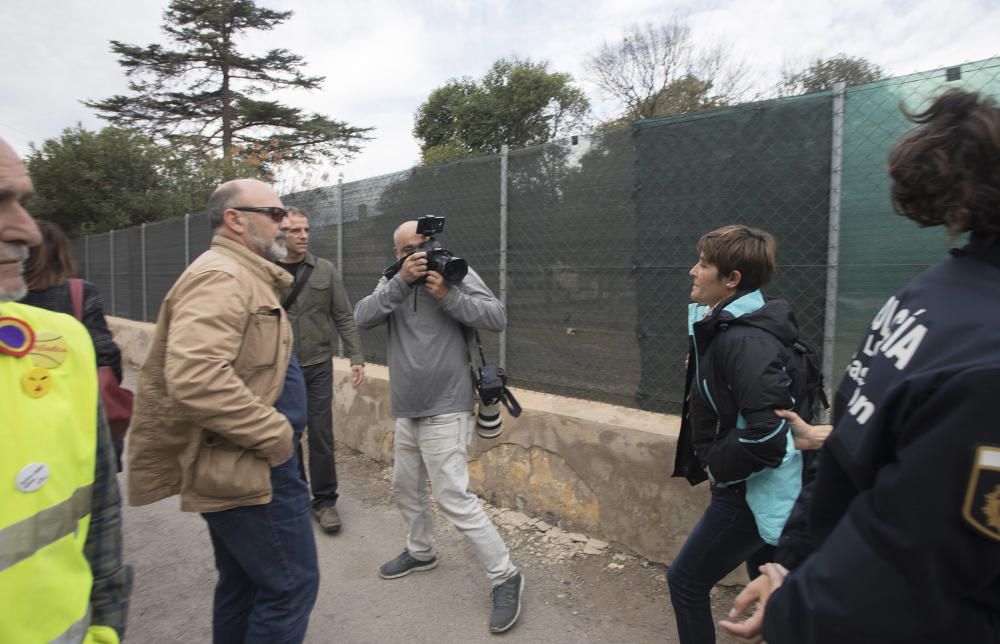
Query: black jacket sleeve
(108, 354)
(753, 369)
(902, 564)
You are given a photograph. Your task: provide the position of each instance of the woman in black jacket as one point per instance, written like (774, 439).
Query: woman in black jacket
(47, 271)
(738, 374)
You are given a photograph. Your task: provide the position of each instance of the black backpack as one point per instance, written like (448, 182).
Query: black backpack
(807, 380)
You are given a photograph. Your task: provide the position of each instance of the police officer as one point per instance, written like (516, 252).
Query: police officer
(901, 538)
(61, 572)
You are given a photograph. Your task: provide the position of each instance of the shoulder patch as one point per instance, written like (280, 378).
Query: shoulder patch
(982, 496)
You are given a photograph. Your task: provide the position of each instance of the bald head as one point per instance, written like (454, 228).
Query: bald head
(406, 240)
(242, 211)
(405, 228)
(228, 193)
(17, 229)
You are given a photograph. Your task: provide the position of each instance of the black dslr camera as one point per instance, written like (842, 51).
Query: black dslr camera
(452, 269)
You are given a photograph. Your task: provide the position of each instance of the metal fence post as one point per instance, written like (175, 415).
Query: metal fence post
(833, 234)
(340, 243)
(111, 256)
(86, 257)
(187, 239)
(340, 223)
(142, 256)
(504, 150)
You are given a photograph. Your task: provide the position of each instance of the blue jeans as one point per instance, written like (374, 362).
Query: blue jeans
(268, 569)
(725, 536)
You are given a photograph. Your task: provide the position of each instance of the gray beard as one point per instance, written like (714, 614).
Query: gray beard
(14, 295)
(275, 251)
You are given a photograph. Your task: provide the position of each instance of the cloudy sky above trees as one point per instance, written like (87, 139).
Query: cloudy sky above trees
(382, 58)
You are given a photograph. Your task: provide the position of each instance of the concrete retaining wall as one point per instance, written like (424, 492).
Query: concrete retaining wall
(590, 467)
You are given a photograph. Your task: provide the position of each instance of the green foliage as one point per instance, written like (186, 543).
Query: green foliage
(517, 103)
(90, 182)
(207, 95)
(821, 74)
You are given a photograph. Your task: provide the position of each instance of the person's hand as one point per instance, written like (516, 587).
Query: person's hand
(414, 267)
(806, 436)
(755, 595)
(435, 285)
(357, 375)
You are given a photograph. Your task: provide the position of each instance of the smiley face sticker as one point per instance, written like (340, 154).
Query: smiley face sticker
(36, 382)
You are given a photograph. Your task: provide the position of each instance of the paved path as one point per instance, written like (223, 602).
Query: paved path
(570, 597)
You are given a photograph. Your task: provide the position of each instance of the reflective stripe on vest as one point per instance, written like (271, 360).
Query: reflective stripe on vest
(75, 633)
(45, 578)
(24, 538)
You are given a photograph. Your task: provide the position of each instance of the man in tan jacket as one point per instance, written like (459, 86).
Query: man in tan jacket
(220, 398)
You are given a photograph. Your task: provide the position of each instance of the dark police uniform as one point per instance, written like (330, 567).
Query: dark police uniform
(904, 517)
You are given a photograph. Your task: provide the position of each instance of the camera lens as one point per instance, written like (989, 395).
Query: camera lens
(489, 423)
(454, 270)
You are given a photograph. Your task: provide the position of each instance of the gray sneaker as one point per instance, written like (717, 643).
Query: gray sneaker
(403, 565)
(506, 604)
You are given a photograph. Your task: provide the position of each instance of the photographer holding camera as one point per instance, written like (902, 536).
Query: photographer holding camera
(432, 399)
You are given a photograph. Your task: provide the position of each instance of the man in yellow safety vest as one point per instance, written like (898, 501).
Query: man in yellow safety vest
(61, 573)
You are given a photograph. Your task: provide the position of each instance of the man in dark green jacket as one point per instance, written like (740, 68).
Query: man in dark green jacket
(318, 312)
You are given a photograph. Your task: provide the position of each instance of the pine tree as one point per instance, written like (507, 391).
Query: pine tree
(206, 95)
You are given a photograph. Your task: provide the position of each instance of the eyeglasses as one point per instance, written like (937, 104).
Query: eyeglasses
(274, 212)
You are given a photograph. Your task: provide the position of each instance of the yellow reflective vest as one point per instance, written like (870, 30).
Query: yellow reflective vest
(47, 461)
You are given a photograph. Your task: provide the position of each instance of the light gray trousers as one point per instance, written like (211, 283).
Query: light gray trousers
(436, 448)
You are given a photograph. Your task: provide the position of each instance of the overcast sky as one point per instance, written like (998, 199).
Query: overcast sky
(382, 58)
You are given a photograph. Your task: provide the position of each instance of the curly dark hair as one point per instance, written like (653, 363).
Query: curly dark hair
(947, 169)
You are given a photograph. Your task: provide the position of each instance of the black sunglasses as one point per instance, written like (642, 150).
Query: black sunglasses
(274, 212)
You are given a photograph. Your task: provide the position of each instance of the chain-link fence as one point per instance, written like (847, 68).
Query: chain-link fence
(588, 240)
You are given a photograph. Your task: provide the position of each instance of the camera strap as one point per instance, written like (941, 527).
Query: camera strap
(510, 402)
(506, 395)
(297, 287)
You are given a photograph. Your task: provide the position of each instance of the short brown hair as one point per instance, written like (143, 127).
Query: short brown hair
(51, 262)
(947, 169)
(740, 248)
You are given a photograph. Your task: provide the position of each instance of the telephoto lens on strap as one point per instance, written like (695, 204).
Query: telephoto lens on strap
(489, 423)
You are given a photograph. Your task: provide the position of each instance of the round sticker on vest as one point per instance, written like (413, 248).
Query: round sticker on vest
(50, 350)
(16, 337)
(36, 382)
(32, 477)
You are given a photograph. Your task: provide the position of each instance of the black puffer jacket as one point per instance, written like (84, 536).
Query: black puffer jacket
(738, 374)
(739, 359)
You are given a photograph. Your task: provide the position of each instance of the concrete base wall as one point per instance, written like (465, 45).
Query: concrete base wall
(590, 467)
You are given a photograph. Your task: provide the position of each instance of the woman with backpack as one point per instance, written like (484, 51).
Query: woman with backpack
(739, 372)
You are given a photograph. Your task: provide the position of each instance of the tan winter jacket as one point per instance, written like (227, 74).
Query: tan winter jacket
(204, 424)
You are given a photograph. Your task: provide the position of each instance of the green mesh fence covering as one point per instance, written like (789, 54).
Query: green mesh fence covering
(602, 231)
(879, 250)
(765, 165)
